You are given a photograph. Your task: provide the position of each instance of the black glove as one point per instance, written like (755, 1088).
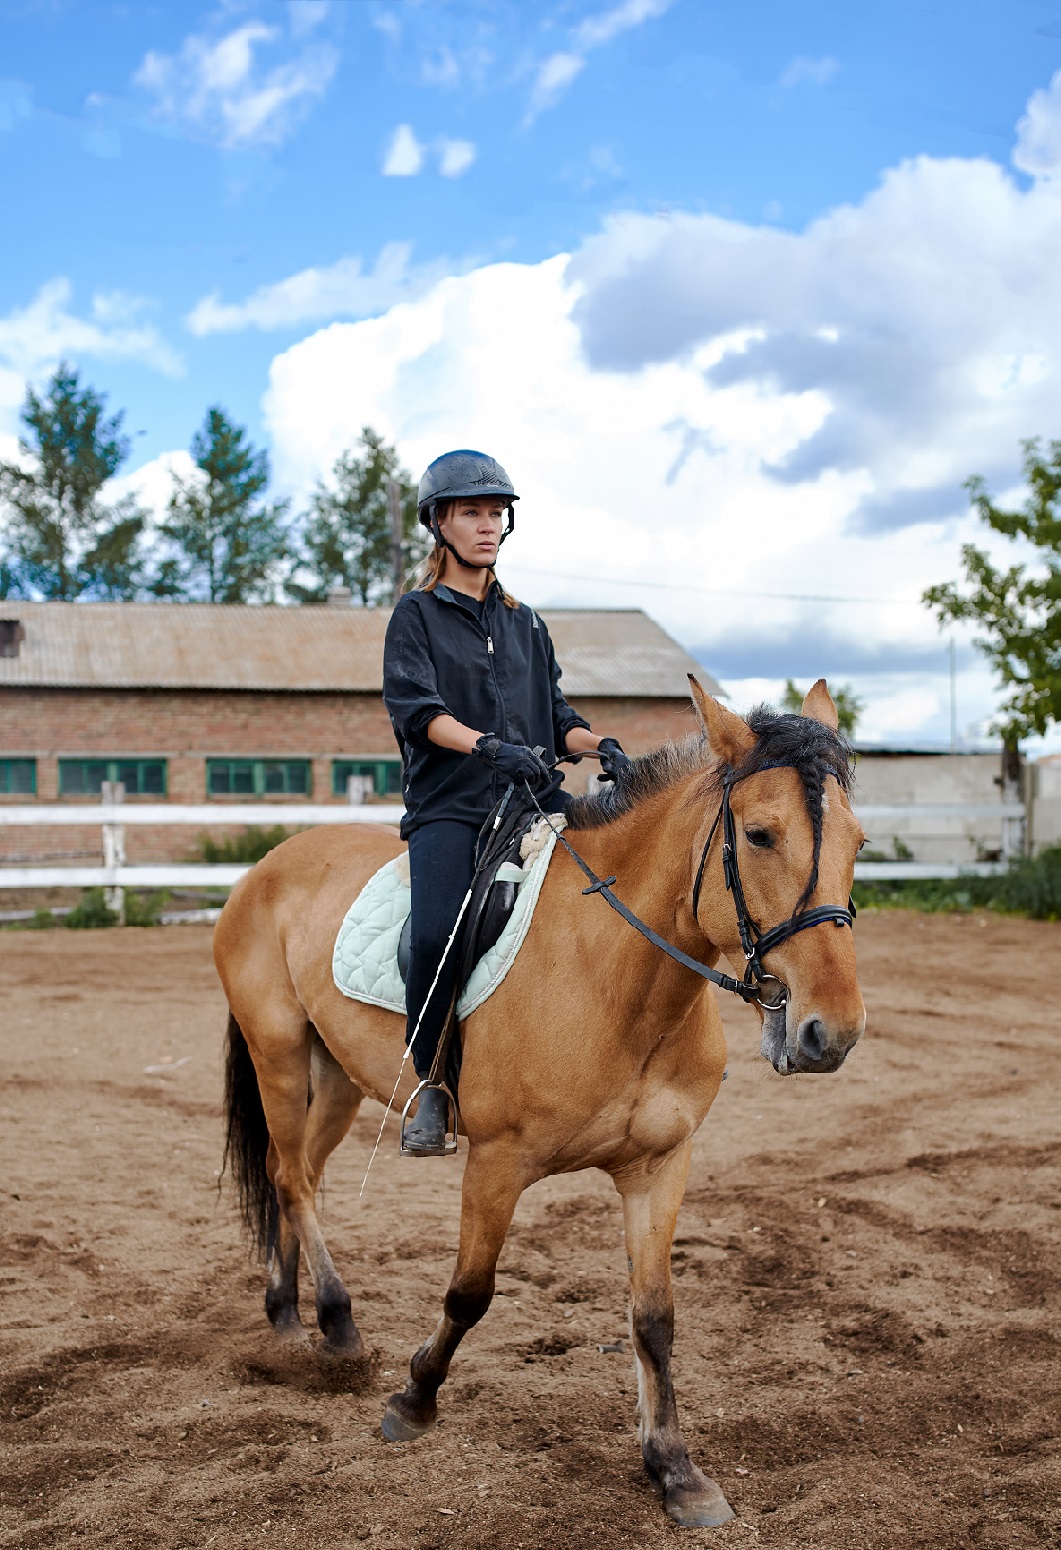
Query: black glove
(613, 762)
(514, 761)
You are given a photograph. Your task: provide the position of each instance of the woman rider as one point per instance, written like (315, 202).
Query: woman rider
(472, 687)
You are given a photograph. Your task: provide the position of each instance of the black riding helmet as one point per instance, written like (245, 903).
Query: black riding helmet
(457, 474)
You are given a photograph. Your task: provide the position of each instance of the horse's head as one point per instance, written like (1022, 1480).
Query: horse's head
(794, 839)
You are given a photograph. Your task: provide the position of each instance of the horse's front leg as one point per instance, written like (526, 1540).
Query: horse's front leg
(652, 1191)
(493, 1182)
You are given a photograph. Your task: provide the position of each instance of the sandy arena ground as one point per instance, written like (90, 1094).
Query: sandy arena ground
(866, 1278)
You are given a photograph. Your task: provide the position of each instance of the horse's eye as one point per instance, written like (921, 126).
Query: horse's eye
(762, 839)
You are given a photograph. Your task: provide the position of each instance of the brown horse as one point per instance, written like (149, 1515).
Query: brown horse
(597, 1050)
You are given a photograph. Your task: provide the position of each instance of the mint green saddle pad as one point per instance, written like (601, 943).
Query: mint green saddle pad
(365, 958)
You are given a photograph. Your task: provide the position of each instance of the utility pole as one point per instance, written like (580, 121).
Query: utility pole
(394, 503)
(953, 698)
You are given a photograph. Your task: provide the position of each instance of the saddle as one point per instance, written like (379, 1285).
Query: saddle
(492, 902)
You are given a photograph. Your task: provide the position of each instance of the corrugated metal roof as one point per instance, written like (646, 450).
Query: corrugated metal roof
(603, 652)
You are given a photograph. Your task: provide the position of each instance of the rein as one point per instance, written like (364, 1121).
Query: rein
(755, 942)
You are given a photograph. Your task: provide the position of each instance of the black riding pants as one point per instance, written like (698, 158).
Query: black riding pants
(441, 864)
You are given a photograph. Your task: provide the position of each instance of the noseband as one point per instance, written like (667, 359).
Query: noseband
(755, 942)
(753, 939)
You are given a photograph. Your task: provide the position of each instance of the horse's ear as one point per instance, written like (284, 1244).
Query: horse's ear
(819, 705)
(728, 737)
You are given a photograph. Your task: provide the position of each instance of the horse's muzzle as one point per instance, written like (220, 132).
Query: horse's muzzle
(814, 1046)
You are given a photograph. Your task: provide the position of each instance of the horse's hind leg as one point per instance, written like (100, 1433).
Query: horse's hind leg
(493, 1182)
(300, 1140)
(652, 1192)
(335, 1101)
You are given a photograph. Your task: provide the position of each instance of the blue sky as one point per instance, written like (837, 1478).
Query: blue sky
(764, 211)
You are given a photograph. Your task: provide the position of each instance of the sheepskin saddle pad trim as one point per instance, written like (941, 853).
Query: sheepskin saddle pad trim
(365, 957)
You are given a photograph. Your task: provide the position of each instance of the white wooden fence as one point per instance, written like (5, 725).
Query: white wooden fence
(115, 816)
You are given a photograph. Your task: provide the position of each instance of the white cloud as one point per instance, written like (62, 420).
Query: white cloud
(556, 72)
(151, 484)
(607, 25)
(601, 460)
(731, 425)
(1038, 147)
(342, 289)
(554, 76)
(455, 157)
(817, 71)
(405, 154)
(922, 320)
(217, 90)
(35, 338)
(305, 16)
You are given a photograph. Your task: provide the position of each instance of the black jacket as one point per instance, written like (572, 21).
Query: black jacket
(499, 676)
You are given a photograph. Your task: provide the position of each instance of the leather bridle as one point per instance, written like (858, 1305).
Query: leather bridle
(755, 942)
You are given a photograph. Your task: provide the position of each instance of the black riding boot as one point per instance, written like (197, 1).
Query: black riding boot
(425, 1136)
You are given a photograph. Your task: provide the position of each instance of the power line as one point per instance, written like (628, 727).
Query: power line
(684, 586)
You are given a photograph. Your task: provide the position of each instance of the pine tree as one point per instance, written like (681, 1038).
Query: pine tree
(348, 538)
(63, 540)
(229, 545)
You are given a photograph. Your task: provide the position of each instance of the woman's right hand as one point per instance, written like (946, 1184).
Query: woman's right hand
(514, 761)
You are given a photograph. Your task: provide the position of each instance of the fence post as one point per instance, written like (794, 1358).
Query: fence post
(113, 793)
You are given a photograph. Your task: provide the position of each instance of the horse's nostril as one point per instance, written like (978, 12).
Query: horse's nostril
(811, 1039)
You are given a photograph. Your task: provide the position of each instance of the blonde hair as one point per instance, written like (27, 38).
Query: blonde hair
(430, 571)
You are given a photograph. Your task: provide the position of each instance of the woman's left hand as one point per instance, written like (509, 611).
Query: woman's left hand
(613, 761)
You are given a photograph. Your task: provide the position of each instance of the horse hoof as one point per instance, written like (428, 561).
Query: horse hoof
(289, 1328)
(398, 1426)
(697, 1507)
(344, 1340)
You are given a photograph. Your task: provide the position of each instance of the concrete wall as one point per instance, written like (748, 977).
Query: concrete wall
(1044, 782)
(906, 779)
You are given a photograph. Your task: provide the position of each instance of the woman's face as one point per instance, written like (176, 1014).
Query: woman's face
(473, 526)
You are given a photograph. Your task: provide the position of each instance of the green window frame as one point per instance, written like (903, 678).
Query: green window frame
(386, 775)
(257, 778)
(140, 777)
(18, 777)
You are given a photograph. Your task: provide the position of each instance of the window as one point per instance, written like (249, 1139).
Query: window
(385, 774)
(18, 777)
(258, 777)
(85, 777)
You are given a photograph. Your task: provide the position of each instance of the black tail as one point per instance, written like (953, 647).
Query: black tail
(247, 1142)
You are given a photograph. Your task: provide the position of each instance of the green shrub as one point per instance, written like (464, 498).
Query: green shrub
(43, 920)
(144, 909)
(92, 912)
(246, 847)
(1030, 887)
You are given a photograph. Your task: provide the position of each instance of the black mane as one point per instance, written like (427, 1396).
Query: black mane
(814, 750)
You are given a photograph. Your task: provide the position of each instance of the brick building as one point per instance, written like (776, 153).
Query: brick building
(192, 703)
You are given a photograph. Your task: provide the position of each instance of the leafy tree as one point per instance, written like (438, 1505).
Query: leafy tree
(848, 706)
(1019, 608)
(347, 538)
(64, 540)
(229, 544)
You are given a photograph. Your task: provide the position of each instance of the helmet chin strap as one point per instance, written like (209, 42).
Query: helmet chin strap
(468, 564)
